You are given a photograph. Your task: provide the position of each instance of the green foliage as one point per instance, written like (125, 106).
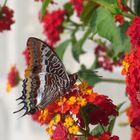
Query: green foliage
(87, 11)
(76, 48)
(60, 50)
(99, 129)
(102, 22)
(137, 6)
(124, 38)
(69, 8)
(44, 6)
(77, 45)
(111, 1)
(89, 76)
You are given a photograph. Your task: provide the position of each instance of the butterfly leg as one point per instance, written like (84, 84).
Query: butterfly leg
(61, 100)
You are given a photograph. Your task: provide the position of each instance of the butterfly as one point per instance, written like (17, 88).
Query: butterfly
(46, 78)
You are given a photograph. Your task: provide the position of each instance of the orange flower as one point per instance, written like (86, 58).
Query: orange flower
(85, 88)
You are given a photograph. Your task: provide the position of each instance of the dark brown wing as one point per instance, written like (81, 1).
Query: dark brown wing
(45, 77)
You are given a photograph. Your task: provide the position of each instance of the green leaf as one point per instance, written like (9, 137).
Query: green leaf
(103, 23)
(98, 130)
(113, 119)
(44, 6)
(87, 11)
(120, 105)
(60, 50)
(125, 40)
(111, 124)
(69, 8)
(77, 45)
(77, 50)
(110, 1)
(89, 76)
(137, 6)
(84, 113)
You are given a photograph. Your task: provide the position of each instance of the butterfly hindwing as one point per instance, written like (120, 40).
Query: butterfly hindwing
(45, 77)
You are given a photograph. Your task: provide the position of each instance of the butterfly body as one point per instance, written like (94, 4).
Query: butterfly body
(45, 77)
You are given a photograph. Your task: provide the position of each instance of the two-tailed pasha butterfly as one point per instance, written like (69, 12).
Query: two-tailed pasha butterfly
(46, 78)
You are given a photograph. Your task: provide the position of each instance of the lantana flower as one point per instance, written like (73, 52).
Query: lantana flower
(134, 32)
(65, 119)
(6, 18)
(119, 19)
(13, 78)
(131, 69)
(53, 26)
(78, 6)
(104, 60)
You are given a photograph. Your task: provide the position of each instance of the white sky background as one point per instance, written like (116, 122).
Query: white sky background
(12, 43)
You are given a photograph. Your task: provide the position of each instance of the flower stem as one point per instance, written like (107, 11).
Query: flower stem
(5, 2)
(86, 133)
(119, 81)
(128, 15)
(102, 128)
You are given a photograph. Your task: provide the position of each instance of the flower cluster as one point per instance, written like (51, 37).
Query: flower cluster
(70, 112)
(133, 114)
(134, 32)
(6, 18)
(53, 26)
(105, 60)
(13, 78)
(119, 19)
(131, 68)
(78, 6)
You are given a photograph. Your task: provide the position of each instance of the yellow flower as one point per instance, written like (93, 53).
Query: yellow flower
(51, 123)
(8, 88)
(84, 88)
(73, 129)
(43, 115)
(126, 65)
(71, 100)
(57, 118)
(68, 121)
(62, 101)
(81, 101)
(89, 91)
(49, 130)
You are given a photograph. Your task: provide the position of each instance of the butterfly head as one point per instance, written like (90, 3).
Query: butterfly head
(73, 78)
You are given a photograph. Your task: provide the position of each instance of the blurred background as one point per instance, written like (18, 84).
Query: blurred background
(12, 44)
